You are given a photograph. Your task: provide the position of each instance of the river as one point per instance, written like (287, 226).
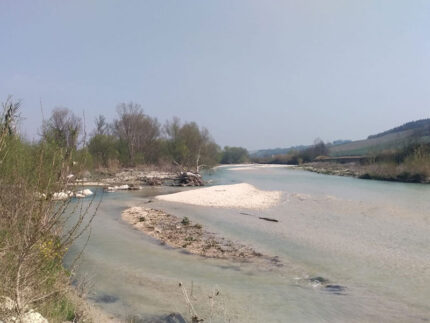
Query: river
(368, 242)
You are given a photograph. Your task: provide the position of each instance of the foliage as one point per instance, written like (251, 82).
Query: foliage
(138, 131)
(185, 221)
(234, 155)
(33, 235)
(103, 149)
(190, 146)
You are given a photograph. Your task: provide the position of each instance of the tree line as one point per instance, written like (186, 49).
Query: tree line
(135, 138)
(297, 157)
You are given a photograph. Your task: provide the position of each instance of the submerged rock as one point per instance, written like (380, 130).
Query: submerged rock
(105, 298)
(335, 289)
(169, 318)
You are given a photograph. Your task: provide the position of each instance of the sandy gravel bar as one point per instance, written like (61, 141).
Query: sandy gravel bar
(180, 233)
(231, 196)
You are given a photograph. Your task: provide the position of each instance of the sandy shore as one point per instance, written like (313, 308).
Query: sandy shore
(181, 233)
(232, 196)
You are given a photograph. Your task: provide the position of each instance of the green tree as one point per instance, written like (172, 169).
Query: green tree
(234, 155)
(103, 148)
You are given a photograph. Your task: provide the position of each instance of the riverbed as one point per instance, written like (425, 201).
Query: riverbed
(346, 250)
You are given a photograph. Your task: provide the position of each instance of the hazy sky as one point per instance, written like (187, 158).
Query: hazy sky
(256, 73)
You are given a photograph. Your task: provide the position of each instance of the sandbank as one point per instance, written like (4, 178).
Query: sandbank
(241, 195)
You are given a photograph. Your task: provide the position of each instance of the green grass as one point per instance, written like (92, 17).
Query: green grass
(58, 310)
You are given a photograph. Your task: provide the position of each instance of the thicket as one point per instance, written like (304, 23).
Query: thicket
(134, 138)
(409, 164)
(234, 155)
(34, 236)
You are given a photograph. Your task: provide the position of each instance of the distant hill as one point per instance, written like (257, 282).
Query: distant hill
(399, 137)
(419, 125)
(282, 151)
(276, 151)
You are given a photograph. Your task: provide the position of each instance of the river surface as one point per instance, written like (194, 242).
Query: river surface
(369, 241)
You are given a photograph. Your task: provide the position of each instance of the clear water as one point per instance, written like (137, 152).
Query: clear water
(371, 238)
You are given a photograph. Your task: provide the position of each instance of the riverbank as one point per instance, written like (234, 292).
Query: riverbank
(135, 178)
(376, 171)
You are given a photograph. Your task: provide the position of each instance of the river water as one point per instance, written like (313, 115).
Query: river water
(368, 242)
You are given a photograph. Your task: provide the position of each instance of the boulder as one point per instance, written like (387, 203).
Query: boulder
(60, 196)
(83, 193)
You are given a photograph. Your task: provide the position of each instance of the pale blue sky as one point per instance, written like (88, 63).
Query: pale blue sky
(256, 73)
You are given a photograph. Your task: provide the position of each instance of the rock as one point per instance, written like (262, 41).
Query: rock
(33, 317)
(62, 195)
(335, 289)
(40, 196)
(6, 303)
(319, 279)
(83, 193)
(118, 188)
(87, 192)
(106, 298)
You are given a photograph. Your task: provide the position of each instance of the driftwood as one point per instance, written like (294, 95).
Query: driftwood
(189, 179)
(268, 219)
(260, 217)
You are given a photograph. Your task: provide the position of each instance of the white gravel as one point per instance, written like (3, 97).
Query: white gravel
(231, 196)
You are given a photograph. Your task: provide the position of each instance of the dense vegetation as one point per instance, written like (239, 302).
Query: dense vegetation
(234, 155)
(134, 138)
(33, 235)
(409, 164)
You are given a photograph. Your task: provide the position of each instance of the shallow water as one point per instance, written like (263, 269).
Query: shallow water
(370, 240)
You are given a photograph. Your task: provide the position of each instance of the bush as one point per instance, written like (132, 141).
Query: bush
(33, 235)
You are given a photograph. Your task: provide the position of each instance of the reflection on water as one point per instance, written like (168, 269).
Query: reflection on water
(350, 250)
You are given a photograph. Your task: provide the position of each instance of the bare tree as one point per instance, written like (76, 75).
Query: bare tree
(102, 127)
(137, 130)
(63, 128)
(189, 146)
